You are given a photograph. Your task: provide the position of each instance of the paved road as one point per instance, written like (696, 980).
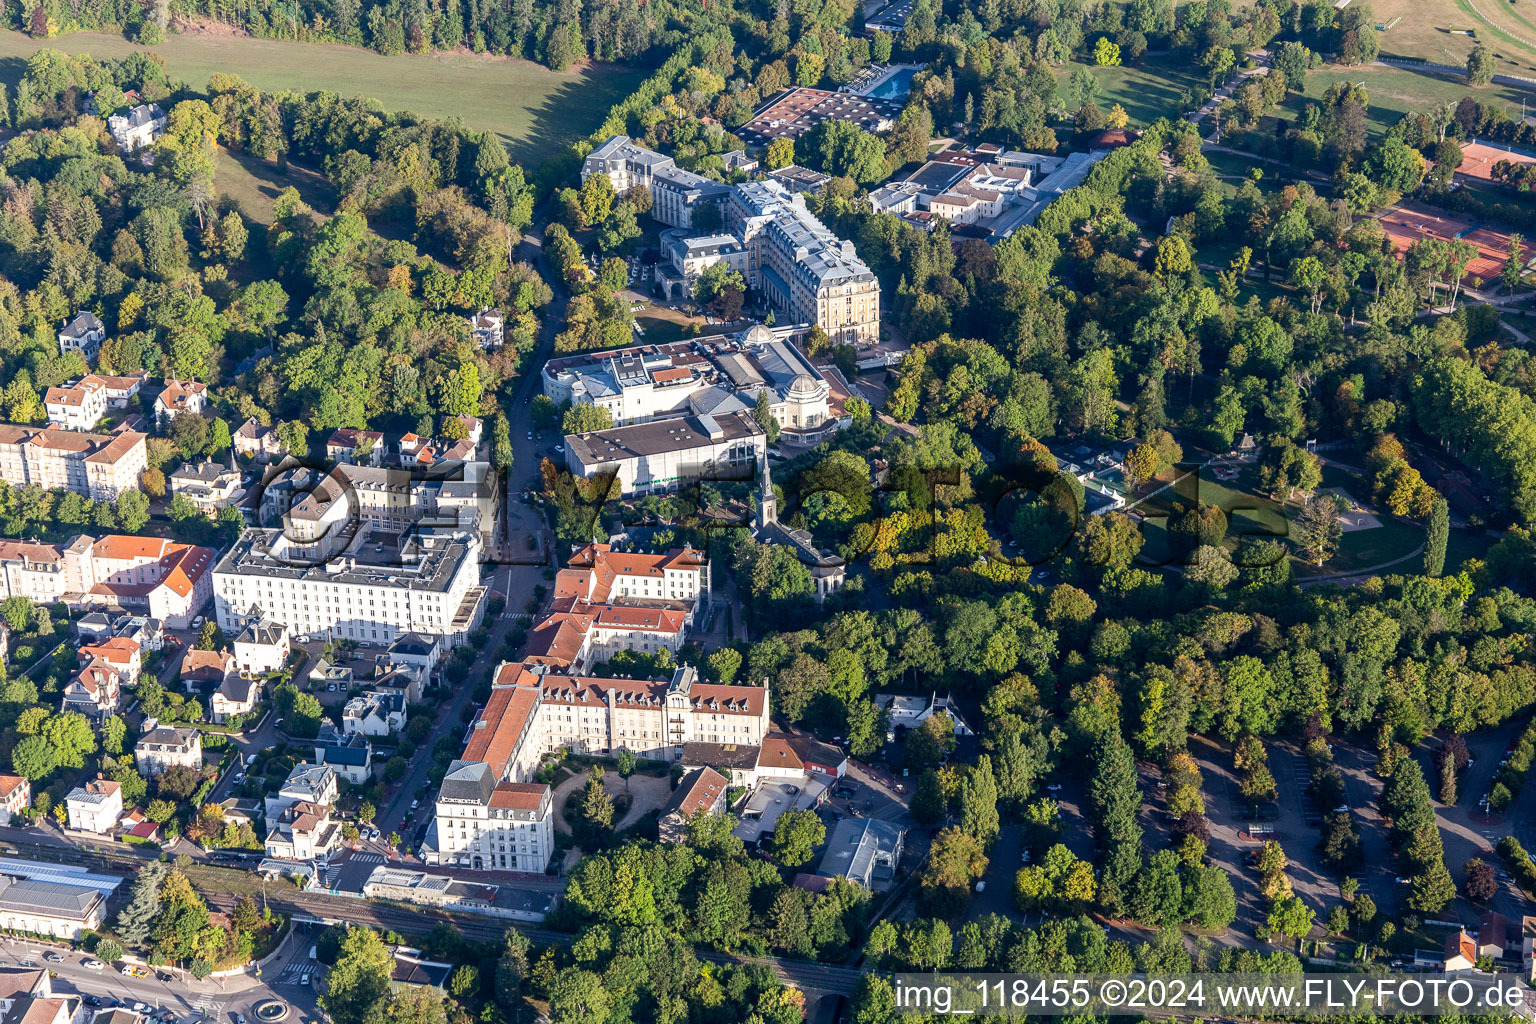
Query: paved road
(219, 999)
(511, 552)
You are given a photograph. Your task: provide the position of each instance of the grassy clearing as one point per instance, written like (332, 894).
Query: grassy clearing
(1424, 31)
(533, 109)
(255, 183)
(1394, 92)
(1147, 93)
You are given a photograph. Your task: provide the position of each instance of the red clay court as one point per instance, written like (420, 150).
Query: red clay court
(1478, 158)
(1409, 222)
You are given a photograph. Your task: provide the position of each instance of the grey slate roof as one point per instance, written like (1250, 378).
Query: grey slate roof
(857, 847)
(468, 782)
(26, 895)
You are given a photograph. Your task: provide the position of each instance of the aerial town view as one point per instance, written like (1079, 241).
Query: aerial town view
(766, 511)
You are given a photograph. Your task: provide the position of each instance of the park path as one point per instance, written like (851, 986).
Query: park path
(647, 793)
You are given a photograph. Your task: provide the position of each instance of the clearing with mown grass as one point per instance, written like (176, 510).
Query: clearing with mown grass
(1394, 92)
(1423, 29)
(534, 110)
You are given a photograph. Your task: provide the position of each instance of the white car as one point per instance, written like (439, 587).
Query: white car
(1054, 788)
(93, 965)
(415, 804)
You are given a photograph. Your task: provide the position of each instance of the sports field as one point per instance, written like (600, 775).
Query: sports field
(533, 109)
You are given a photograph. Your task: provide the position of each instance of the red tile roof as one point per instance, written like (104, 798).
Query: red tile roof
(518, 796)
(494, 737)
(699, 794)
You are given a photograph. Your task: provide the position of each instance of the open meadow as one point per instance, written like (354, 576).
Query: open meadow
(1395, 91)
(533, 109)
(1423, 29)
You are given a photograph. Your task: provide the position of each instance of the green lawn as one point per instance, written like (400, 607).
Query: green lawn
(535, 110)
(255, 183)
(1236, 166)
(1394, 92)
(1147, 92)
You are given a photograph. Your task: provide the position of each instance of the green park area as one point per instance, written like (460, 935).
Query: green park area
(1147, 92)
(535, 110)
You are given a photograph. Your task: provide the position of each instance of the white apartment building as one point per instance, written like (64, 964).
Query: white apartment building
(675, 193)
(804, 271)
(303, 832)
(121, 654)
(610, 601)
(600, 574)
(801, 267)
(82, 404)
(79, 406)
(484, 824)
(84, 334)
(97, 466)
(95, 807)
(374, 714)
(306, 783)
(262, 647)
(658, 456)
(169, 581)
(166, 747)
(713, 376)
(430, 586)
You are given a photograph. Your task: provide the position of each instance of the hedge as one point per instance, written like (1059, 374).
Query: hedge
(1519, 862)
(1511, 778)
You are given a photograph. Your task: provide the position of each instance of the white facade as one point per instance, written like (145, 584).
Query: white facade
(262, 647)
(307, 783)
(675, 193)
(95, 807)
(208, 486)
(138, 128)
(712, 376)
(436, 591)
(179, 396)
(15, 796)
(374, 714)
(59, 909)
(77, 407)
(656, 457)
(169, 581)
(84, 334)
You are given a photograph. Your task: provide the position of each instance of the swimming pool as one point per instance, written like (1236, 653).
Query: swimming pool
(896, 86)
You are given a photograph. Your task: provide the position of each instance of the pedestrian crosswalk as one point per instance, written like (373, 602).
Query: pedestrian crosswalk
(297, 973)
(213, 1009)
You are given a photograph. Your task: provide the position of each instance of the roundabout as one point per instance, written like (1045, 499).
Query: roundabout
(271, 1010)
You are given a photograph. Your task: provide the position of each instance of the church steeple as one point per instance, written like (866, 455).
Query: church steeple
(767, 504)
